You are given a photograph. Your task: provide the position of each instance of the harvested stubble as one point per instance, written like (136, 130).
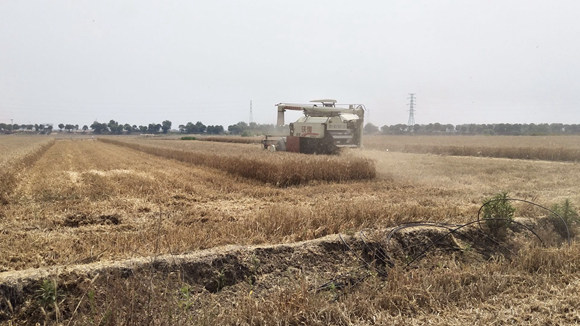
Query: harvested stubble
(19, 153)
(280, 169)
(13, 148)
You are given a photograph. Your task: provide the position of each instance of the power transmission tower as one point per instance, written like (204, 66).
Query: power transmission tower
(412, 100)
(251, 114)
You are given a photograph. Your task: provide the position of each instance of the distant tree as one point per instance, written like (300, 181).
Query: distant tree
(199, 128)
(166, 126)
(215, 130)
(189, 128)
(539, 129)
(61, 126)
(153, 128)
(501, 129)
(143, 129)
(99, 128)
(238, 128)
(370, 129)
(85, 128)
(113, 125)
(127, 127)
(397, 129)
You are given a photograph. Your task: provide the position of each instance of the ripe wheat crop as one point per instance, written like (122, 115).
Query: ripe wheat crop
(280, 169)
(232, 139)
(553, 148)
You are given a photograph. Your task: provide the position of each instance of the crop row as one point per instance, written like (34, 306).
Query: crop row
(280, 169)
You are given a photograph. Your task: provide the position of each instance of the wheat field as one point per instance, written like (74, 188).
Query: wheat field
(82, 201)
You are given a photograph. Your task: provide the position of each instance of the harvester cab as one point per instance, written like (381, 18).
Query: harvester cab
(325, 127)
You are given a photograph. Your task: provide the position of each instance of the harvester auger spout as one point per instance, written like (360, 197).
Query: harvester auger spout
(325, 127)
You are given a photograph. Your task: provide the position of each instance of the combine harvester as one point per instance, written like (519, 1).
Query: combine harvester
(324, 129)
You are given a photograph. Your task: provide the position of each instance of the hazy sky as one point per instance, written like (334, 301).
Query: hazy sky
(146, 61)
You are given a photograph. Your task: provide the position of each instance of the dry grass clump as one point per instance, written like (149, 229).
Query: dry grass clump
(19, 153)
(280, 169)
(554, 148)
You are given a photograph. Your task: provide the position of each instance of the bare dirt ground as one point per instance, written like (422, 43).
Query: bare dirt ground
(115, 234)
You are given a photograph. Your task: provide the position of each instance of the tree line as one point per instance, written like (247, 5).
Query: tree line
(36, 128)
(242, 128)
(116, 128)
(504, 129)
